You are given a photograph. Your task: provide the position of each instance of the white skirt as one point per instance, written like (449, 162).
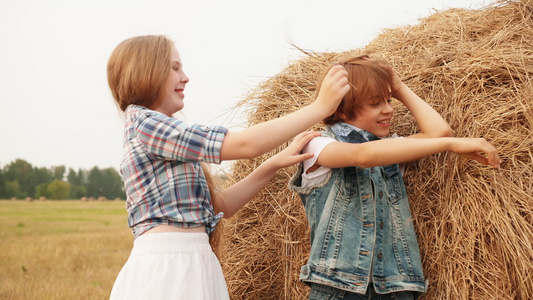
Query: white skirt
(171, 265)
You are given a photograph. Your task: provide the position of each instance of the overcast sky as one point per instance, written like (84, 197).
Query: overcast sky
(56, 107)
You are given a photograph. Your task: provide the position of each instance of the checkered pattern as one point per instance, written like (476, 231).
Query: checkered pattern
(163, 178)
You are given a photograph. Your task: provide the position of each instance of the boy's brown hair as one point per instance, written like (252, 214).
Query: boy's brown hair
(367, 78)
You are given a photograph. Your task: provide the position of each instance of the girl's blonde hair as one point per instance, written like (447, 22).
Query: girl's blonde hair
(367, 78)
(215, 237)
(138, 68)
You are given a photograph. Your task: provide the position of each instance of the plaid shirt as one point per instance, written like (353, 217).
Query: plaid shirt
(163, 178)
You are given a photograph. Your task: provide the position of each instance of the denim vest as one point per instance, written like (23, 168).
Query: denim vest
(361, 227)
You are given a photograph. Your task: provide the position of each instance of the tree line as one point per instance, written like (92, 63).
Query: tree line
(19, 179)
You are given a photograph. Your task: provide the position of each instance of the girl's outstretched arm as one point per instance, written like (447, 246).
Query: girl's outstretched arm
(260, 138)
(430, 121)
(236, 196)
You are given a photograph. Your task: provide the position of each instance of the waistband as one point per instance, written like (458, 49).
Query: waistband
(171, 242)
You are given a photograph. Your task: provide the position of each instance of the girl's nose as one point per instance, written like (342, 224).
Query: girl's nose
(184, 78)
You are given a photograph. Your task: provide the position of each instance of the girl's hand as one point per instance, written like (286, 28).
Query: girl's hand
(292, 154)
(334, 87)
(474, 148)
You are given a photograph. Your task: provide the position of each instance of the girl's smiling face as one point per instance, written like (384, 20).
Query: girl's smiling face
(373, 115)
(172, 93)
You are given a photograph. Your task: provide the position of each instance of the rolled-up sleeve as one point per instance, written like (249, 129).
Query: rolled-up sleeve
(169, 138)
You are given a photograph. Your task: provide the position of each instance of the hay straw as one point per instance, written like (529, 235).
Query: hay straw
(474, 224)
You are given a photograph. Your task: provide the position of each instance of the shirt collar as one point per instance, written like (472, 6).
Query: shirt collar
(132, 108)
(344, 130)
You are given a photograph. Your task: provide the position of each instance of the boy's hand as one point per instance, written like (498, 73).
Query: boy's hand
(396, 82)
(292, 154)
(334, 87)
(473, 148)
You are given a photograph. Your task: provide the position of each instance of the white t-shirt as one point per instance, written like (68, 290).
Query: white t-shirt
(316, 146)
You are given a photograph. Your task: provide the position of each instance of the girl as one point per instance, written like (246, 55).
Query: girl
(171, 211)
(363, 243)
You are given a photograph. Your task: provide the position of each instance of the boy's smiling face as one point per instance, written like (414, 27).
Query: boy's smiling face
(373, 115)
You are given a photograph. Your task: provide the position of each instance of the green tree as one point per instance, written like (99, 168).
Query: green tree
(58, 172)
(77, 191)
(95, 183)
(42, 191)
(42, 175)
(73, 177)
(2, 185)
(13, 189)
(114, 187)
(76, 181)
(105, 182)
(59, 190)
(21, 171)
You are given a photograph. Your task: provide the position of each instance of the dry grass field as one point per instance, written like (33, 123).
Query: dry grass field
(61, 249)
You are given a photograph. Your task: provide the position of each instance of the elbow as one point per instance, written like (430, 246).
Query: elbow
(219, 206)
(366, 165)
(249, 151)
(253, 151)
(446, 131)
(365, 161)
(239, 151)
(443, 131)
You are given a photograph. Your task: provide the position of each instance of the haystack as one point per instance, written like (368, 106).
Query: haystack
(474, 224)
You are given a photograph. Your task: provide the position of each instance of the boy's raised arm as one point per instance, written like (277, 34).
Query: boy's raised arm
(430, 121)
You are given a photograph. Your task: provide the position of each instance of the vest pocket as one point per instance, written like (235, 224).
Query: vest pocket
(394, 181)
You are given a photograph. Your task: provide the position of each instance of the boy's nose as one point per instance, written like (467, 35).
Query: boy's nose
(388, 109)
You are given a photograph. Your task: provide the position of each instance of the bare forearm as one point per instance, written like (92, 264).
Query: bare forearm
(263, 137)
(400, 150)
(380, 153)
(236, 196)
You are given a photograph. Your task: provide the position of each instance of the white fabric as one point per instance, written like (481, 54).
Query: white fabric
(315, 146)
(171, 265)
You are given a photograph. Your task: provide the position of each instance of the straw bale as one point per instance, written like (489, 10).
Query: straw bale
(474, 224)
